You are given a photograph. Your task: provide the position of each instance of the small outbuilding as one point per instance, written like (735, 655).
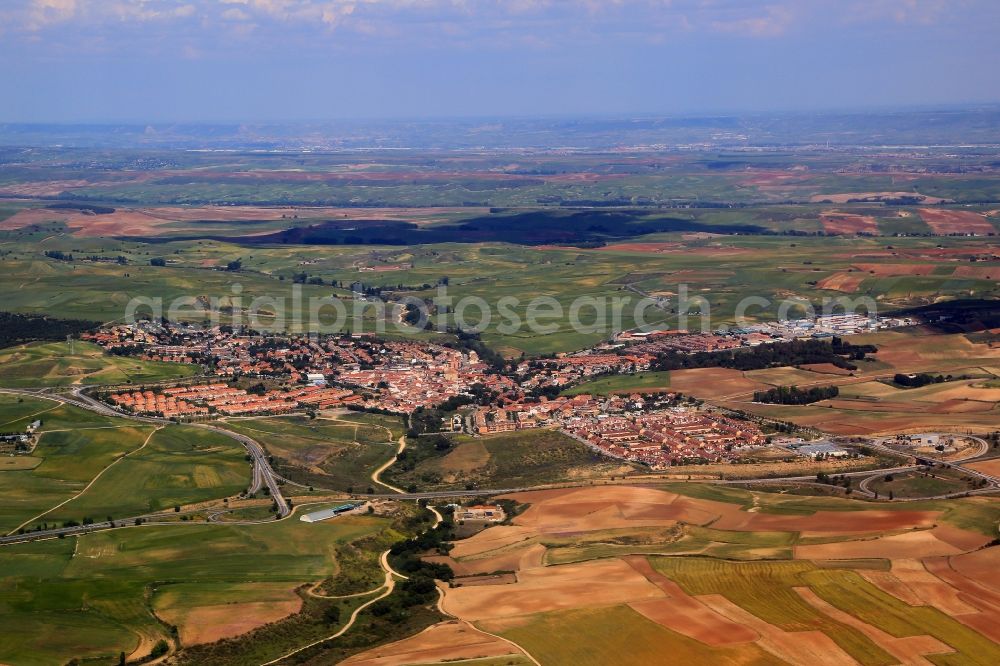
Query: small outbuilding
(326, 514)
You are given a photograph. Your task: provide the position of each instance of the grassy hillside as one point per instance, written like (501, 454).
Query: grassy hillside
(640, 382)
(507, 460)
(62, 363)
(336, 453)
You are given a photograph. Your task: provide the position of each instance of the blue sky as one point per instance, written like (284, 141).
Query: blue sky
(264, 60)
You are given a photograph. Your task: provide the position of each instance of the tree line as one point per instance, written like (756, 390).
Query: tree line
(777, 354)
(17, 328)
(793, 395)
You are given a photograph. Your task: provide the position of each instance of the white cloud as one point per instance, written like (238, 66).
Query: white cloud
(44, 12)
(510, 23)
(235, 14)
(772, 21)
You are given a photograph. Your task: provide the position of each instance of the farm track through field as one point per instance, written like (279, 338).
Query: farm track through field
(389, 585)
(92, 482)
(30, 416)
(378, 472)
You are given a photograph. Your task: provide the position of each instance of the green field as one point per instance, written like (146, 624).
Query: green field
(722, 269)
(62, 599)
(336, 453)
(16, 410)
(179, 465)
(618, 634)
(920, 484)
(62, 364)
(70, 459)
(641, 382)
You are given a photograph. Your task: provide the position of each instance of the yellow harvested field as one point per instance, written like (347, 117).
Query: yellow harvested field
(826, 369)
(846, 197)
(447, 641)
(782, 376)
(826, 523)
(843, 281)
(609, 507)
(595, 583)
(207, 624)
(921, 543)
(515, 558)
(500, 536)
(929, 588)
(918, 545)
(712, 383)
(991, 467)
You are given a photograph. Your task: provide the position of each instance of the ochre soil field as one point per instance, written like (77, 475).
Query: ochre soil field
(794, 647)
(150, 221)
(991, 467)
(977, 272)
(922, 543)
(945, 222)
(596, 583)
(121, 222)
(928, 352)
(577, 510)
(930, 564)
(848, 223)
(908, 649)
(207, 624)
(842, 281)
(710, 383)
(892, 270)
(454, 640)
(683, 613)
(943, 407)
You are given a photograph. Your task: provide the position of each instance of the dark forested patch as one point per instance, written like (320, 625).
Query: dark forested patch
(779, 354)
(581, 228)
(87, 208)
(918, 380)
(793, 395)
(17, 329)
(957, 316)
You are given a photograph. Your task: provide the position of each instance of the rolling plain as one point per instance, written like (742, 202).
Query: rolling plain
(136, 537)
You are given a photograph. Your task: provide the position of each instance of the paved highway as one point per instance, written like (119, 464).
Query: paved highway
(262, 475)
(262, 466)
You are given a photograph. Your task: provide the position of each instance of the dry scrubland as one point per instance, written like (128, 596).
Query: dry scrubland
(720, 575)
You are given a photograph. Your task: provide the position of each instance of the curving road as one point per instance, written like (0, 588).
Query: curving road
(262, 475)
(377, 474)
(262, 471)
(388, 587)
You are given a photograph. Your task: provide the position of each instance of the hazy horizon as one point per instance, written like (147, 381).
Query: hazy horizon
(692, 114)
(260, 61)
